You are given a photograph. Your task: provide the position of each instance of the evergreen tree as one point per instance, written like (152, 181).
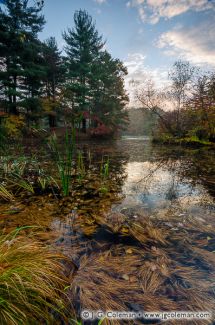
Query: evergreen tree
(20, 60)
(83, 45)
(54, 67)
(109, 96)
(55, 76)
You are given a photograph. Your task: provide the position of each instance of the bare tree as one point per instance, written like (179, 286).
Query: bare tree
(202, 102)
(154, 100)
(181, 75)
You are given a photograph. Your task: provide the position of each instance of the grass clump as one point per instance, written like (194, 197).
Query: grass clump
(64, 159)
(104, 174)
(31, 282)
(80, 166)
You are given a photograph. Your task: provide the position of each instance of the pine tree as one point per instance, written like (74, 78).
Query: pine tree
(20, 60)
(110, 97)
(54, 78)
(83, 45)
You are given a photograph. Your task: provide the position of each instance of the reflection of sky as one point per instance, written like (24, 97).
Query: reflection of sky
(154, 187)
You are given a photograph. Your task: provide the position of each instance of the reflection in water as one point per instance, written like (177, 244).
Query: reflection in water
(160, 179)
(166, 179)
(154, 250)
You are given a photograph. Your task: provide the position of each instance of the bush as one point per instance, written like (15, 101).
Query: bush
(14, 125)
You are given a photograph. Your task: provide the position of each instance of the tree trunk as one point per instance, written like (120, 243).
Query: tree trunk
(84, 125)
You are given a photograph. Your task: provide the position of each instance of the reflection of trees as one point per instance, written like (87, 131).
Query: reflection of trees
(163, 165)
(96, 153)
(183, 168)
(194, 165)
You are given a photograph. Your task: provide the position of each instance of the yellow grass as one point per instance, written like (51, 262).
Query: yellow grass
(31, 282)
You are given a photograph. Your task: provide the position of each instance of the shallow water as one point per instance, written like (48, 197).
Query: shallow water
(151, 236)
(162, 178)
(168, 179)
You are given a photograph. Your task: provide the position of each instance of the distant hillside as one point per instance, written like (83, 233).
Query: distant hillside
(141, 122)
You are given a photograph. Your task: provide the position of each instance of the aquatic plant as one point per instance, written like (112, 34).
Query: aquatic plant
(105, 168)
(63, 156)
(104, 173)
(31, 281)
(21, 183)
(10, 165)
(5, 194)
(80, 166)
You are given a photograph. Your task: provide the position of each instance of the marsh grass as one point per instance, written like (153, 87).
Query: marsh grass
(5, 194)
(80, 166)
(31, 282)
(105, 168)
(63, 156)
(21, 183)
(23, 173)
(104, 174)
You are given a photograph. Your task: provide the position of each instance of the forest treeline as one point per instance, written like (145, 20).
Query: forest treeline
(82, 84)
(185, 108)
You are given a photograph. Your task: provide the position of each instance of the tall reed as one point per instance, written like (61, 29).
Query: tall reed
(105, 168)
(63, 156)
(104, 173)
(80, 166)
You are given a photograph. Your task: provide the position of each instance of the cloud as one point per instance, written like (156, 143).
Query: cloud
(139, 71)
(135, 64)
(100, 1)
(154, 10)
(195, 44)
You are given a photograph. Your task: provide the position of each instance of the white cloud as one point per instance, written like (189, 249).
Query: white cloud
(156, 9)
(195, 44)
(135, 64)
(100, 1)
(142, 13)
(139, 71)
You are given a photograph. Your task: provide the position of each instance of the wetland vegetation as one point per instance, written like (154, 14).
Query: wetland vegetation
(150, 233)
(89, 219)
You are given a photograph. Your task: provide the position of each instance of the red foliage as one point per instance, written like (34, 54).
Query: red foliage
(101, 130)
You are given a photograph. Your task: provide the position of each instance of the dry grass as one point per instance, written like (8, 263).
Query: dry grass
(31, 282)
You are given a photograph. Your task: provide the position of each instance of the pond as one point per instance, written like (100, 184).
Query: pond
(146, 241)
(161, 180)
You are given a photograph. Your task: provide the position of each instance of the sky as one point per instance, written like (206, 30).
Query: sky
(147, 35)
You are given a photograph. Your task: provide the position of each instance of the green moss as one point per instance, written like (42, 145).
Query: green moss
(189, 141)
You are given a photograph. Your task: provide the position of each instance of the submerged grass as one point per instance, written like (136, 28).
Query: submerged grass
(31, 282)
(143, 265)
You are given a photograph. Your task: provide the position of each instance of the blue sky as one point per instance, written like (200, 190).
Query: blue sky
(147, 35)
